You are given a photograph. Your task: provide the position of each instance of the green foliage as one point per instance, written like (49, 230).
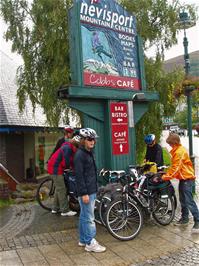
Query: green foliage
(181, 117)
(156, 21)
(166, 157)
(165, 84)
(5, 203)
(39, 33)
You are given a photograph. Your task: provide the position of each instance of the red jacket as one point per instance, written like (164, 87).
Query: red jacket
(62, 159)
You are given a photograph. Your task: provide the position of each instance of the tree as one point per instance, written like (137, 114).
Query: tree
(157, 26)
(180, 116)
(156, 21)
(39, 33)
(164, 84)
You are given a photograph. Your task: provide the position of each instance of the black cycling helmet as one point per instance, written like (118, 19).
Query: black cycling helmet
(149, 139)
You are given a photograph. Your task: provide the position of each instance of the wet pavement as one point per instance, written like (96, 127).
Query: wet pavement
(30, 235)
(155, 245)
(33, 236)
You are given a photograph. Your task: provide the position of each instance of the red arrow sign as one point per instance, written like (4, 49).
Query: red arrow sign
(119, 126)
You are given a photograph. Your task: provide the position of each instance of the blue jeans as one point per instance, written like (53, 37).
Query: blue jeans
(186, 200)
(87, 228)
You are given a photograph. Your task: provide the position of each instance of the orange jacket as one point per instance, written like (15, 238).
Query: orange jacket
(181, 167)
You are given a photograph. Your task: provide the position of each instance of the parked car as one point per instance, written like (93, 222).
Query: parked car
(181, 132)
(177, 130)
(173, 129)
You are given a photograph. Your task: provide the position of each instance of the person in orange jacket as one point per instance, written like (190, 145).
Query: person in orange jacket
(182, 169)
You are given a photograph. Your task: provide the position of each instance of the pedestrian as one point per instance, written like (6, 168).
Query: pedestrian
(61, 160)
(154, 151)
(68, 134)
(182, 169)
(86, 181)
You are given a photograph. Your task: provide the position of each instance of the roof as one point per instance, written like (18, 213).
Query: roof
(175, 62)
(9, 110)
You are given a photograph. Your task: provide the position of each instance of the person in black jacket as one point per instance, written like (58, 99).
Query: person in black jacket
(154, 151)
(86, 183)
(68, 134)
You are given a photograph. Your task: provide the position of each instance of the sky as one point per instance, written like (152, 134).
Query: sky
(192, 36)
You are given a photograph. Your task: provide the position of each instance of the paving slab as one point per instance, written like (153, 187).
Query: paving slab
(33, 236)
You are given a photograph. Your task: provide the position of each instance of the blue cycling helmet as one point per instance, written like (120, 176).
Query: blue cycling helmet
(149, 139)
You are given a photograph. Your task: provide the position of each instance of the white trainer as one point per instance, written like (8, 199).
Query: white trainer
(54, 211)
(94, 247)
(69, 213)
(80, 244)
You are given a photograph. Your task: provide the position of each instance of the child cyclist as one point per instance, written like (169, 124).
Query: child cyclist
(182, 169)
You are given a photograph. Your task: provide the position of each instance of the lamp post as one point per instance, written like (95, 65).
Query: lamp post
(184, 23)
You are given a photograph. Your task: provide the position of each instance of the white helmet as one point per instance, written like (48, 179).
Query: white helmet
(88, 132)
(133, 172)
(76, 138)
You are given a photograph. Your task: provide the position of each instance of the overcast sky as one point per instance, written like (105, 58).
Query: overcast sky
(192, 35)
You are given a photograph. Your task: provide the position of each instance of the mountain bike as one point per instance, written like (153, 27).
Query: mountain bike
(145, 180)
(46, 190)
(124, 216)
(107, 193)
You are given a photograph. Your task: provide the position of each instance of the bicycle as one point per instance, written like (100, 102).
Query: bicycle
(46, 190)
(141, 173)
(141, 196)
(124, 218)
(107, 193)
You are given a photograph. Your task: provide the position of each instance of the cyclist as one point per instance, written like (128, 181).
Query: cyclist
(60, 160)
(68, 134)
(154, 151)
(86, 181)
(182, 169)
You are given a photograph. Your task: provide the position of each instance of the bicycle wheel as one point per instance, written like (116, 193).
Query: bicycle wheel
(100, 209)
(124, 219)
(164, 211)
(45, 194)
(105, 202)
(96, 211)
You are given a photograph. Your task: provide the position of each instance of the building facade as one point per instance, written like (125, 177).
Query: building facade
(26, 140)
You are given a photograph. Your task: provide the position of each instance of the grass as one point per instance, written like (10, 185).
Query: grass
(167, 157)
(5, 203)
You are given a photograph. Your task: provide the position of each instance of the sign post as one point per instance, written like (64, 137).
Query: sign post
(107, 71)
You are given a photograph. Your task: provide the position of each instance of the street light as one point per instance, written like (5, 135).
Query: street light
(185, 22)
(138, 96)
